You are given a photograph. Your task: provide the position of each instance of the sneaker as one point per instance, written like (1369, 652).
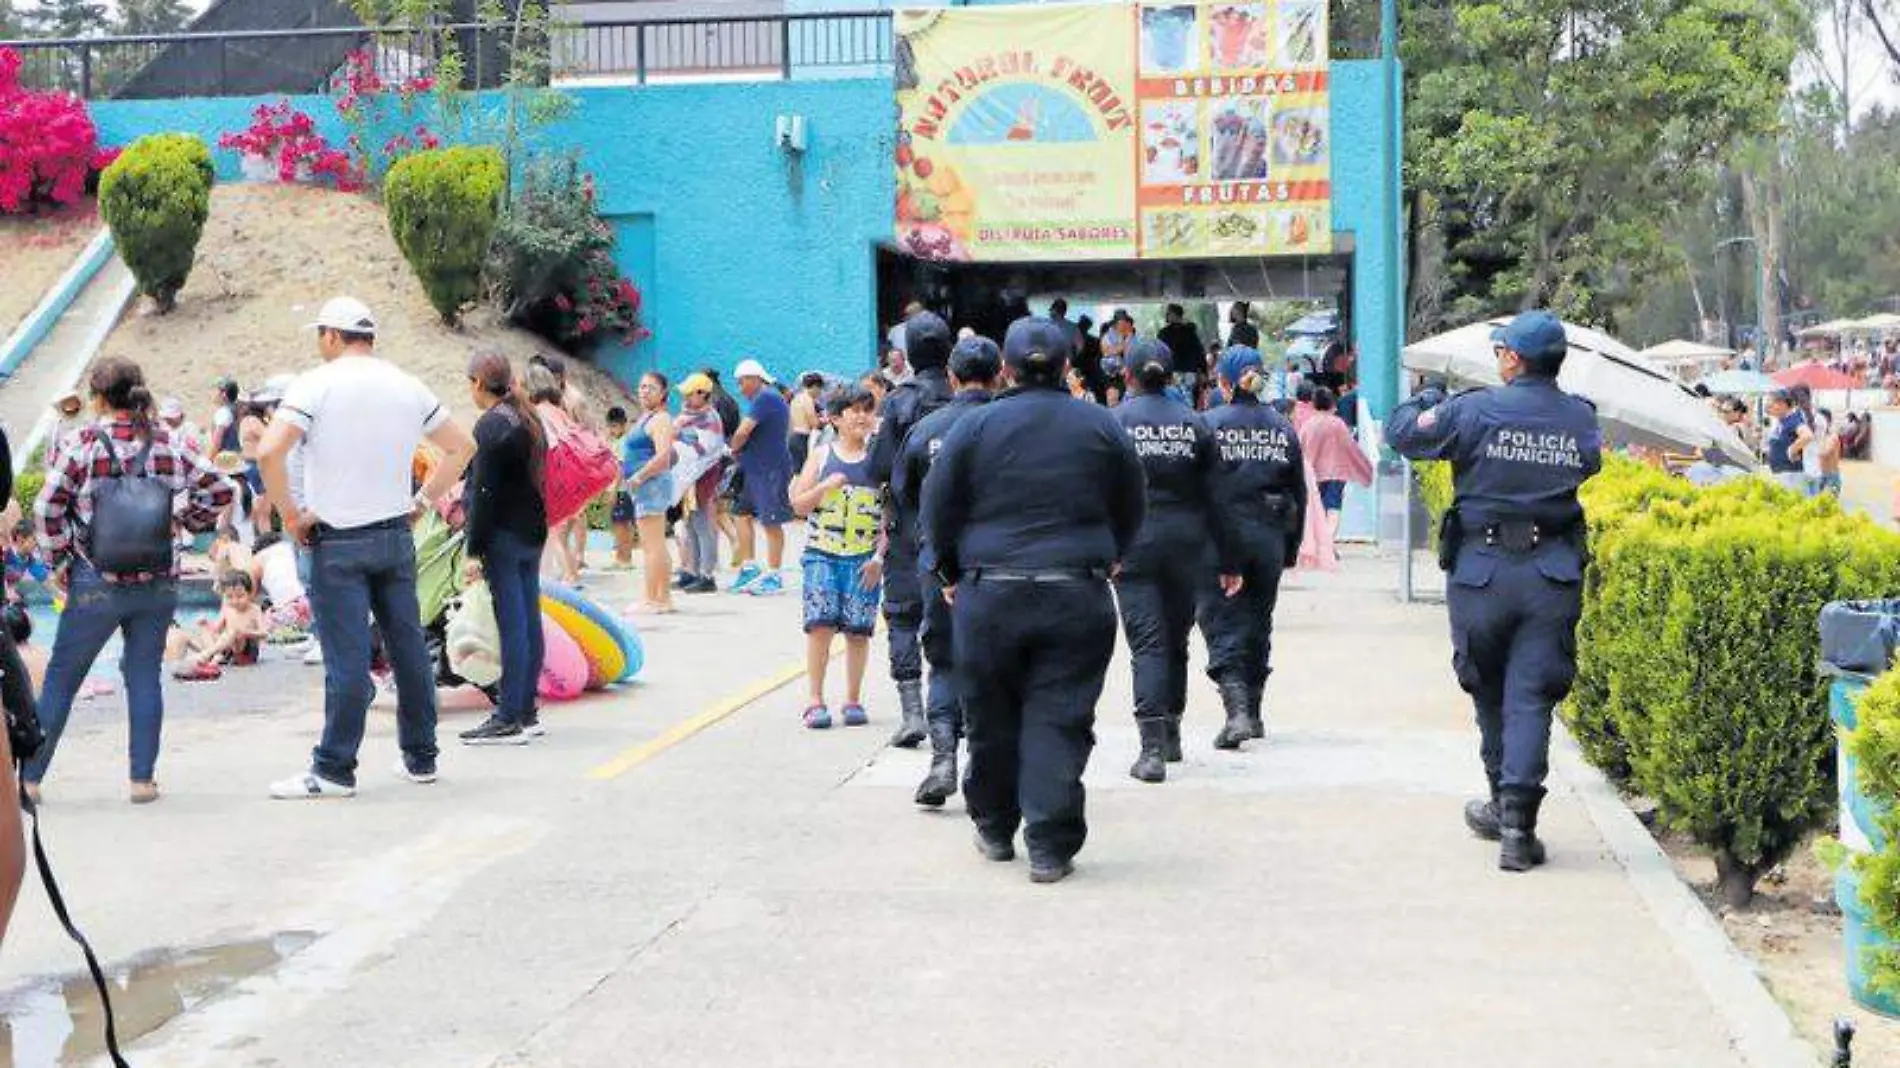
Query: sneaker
(855, 715)
(701, 584)
(768, 586)
(315, 656)
(818, 718)
(420, 778)
(532, 726)
(495, 731)
(309, 786)
(683, 580)
(748, 574)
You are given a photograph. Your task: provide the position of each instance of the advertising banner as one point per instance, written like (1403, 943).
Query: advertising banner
(1113, 131)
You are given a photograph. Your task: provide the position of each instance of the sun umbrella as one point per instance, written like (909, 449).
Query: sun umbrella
(1816, 375)
(1671, 353)
(1318, 324)
(1831, 328)
(1882, 321)
(1739, 383)
(1636, 403)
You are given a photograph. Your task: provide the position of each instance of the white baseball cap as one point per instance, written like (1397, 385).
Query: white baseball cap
(752, 369)
(347, 314)
(171, 408)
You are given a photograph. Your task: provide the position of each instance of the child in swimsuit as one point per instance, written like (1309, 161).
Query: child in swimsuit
(234, 638)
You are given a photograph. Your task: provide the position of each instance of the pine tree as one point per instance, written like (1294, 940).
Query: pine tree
(65, 18)
(146, 17)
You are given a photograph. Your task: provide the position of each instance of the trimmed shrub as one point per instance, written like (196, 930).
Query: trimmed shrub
(443, 206)
(1875, 746)
(156, 198)
(1698, 679)
(27, 485)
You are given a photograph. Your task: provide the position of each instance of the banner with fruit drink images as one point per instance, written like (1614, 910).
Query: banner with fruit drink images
(1015, 140)
(1016, 130)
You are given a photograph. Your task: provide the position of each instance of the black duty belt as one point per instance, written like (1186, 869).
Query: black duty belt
(1516, 535)
(1048, 574)
(324, 530)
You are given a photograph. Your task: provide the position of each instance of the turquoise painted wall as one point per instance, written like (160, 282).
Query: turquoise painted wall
(744, 251)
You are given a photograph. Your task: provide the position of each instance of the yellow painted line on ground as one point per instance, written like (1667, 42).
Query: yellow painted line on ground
(681, 731)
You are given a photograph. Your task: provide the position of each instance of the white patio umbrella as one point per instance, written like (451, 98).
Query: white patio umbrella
(1636, 403)
(1877, 323)
(1679, 352)
(1831, 328)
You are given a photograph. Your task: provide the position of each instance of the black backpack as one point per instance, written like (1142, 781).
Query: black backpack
(131, 530)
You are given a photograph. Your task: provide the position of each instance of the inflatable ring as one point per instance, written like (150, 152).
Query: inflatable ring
(609, 642)
(604, 659)
(564, 668)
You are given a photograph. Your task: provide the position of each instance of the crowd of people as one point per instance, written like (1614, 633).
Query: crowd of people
(1192, 490)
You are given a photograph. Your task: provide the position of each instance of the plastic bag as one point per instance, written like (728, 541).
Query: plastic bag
(474, 637)
(1860, 636)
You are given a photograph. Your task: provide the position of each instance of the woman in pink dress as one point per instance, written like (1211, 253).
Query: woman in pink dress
(1333, 459)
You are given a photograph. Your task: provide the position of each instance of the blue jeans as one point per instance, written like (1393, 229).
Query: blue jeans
(355, 574)
(95, 610)
(513, 569)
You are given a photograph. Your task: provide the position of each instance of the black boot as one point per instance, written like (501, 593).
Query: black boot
(941, 783)
(1171, 744)
(1519, 849)
(1233, 698)
(1481, 814)
(912, 729)
(1257, 727)
(1151, 765)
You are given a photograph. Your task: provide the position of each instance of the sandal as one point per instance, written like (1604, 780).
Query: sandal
(818, 718)
(855, 715)
(199, 672)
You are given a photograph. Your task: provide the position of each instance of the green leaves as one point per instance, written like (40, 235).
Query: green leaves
(155, 198)
(443, 206)
(1553, 137)
(1697, 678)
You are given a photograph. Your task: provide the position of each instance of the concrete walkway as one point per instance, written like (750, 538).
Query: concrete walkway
(630, 892)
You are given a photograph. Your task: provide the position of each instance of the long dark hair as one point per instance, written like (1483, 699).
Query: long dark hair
(496, 376)
(121, 384)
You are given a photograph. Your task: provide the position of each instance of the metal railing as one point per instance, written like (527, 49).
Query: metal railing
(306, 60)
(260, 62)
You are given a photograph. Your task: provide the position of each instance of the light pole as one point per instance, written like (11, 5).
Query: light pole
(1764, 331)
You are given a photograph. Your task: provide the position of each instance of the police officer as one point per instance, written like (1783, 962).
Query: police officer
(975, 364)
(927, 345)
(1162, 574)
(1514, 544)
(1257, 494)
(1031, 502)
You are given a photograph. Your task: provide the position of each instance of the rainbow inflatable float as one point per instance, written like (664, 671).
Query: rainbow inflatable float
(609, 645)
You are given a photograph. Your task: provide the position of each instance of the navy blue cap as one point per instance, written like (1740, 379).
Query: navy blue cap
(976, 359)
(926, 340)
(1149, 351)
(1535, 335)
(1238, 360)
(1032, 337)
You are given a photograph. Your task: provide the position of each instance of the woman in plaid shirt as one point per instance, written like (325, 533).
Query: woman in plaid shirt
(99, 604)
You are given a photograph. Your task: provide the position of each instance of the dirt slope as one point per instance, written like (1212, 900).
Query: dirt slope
(270, 256)
(34, 252)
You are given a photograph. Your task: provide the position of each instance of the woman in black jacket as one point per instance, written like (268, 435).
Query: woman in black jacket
(506, 533)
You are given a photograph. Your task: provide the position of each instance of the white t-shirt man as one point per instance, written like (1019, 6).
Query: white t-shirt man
(361, 418)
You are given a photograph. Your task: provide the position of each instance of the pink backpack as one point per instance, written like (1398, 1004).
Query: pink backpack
(580, 467)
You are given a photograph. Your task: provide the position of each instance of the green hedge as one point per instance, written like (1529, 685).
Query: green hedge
(1875, 746)
(155, 198)
(1697, 655)
(443, 207)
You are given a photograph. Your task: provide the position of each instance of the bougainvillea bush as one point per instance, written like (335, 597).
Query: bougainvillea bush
(287, 139)
(49, 148)
(553, 265)
(381, 115)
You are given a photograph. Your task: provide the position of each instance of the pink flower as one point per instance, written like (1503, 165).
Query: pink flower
(561, 302)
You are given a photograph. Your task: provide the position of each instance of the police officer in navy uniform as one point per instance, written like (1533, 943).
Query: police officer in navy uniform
(1257, 495)
(1514, 541)
(1032, 501)
(1162, 575)
(927, 346)
(975, 365)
